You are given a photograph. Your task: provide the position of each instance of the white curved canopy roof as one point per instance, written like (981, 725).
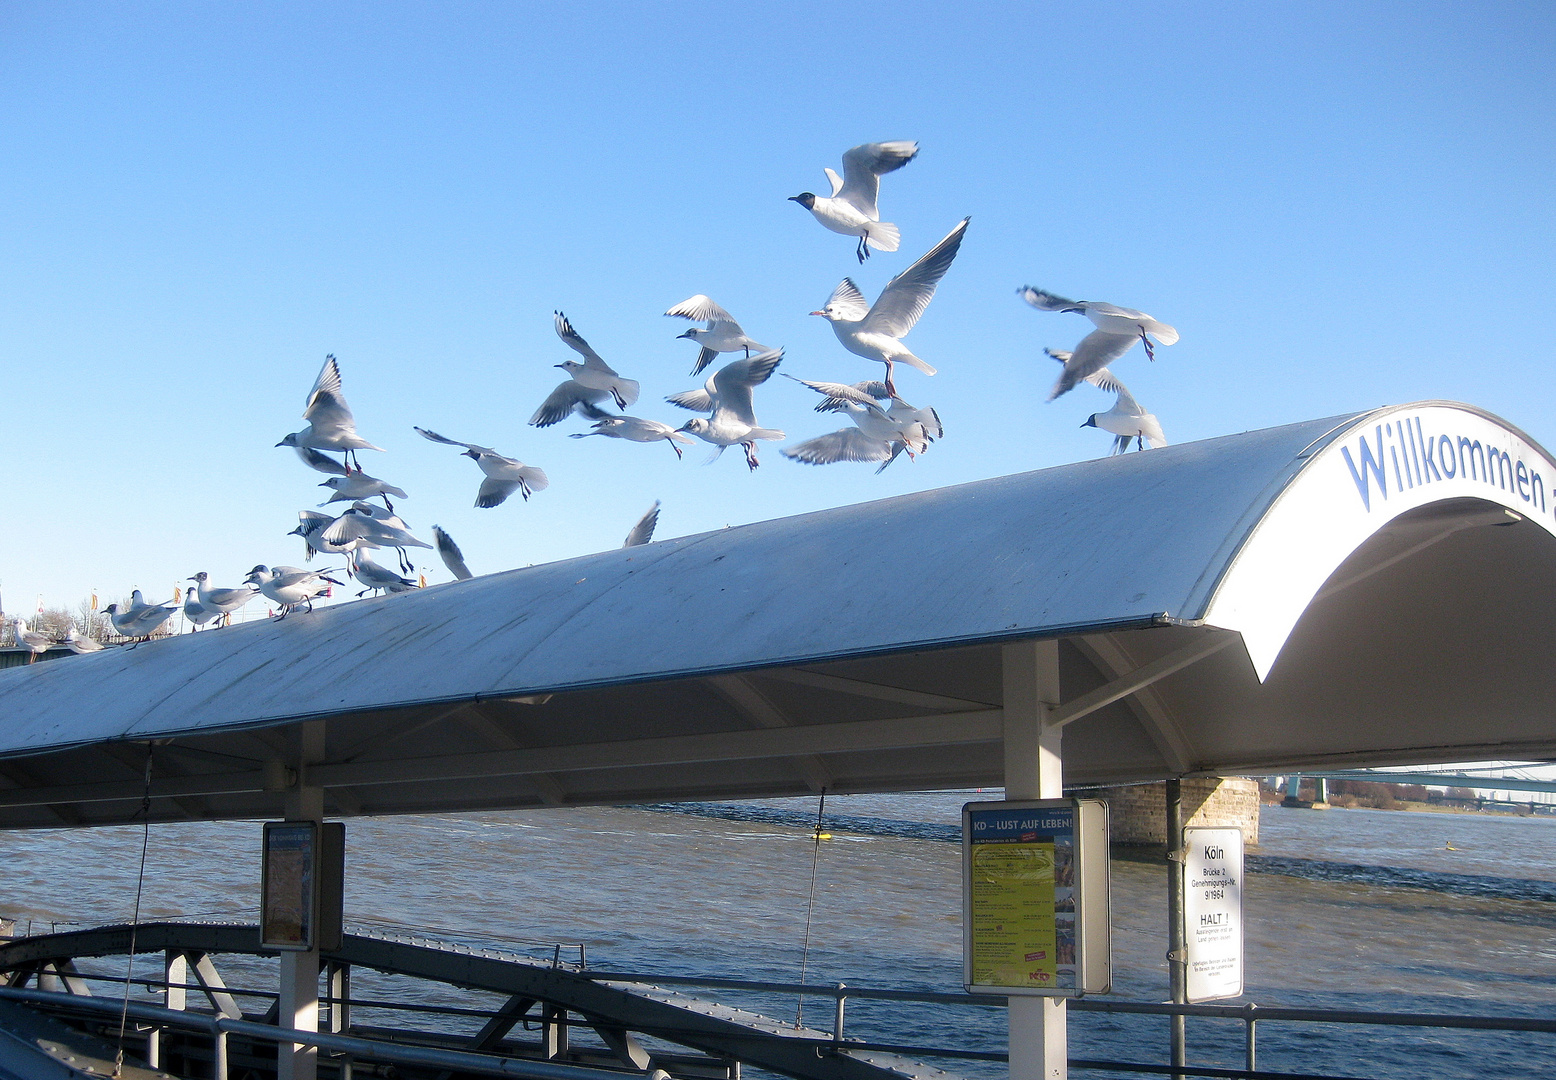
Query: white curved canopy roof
(1382, 618)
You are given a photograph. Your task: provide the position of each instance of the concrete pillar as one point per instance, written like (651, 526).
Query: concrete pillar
(299, 1004)
(1039, 1043)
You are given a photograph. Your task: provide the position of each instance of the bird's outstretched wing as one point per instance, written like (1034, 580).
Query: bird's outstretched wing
(838, 392)
(494, 492)
(572, 340)
(733, 383)
(563, 400)
(1096, 350)
(449, 552)
(445, 440)
(321, 462)
(700, 308)
(849, 444)
(909, 293)
(1047, 301)
(848, 301)
(643, 531)
(1102, 378)
(695, 400)
(326, 408)
(863, 167)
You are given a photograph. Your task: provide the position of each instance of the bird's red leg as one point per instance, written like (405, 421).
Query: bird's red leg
(1150, 353)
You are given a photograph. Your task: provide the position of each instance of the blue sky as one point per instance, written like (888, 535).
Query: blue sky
(1339, 206)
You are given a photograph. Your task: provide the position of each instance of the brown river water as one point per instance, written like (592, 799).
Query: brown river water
(1348, 909)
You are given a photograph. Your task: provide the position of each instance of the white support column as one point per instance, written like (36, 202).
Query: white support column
(299, 1004)
(1039, 1043)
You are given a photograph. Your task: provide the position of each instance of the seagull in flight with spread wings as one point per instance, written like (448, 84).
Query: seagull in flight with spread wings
(877, 435)
(449, 552)
(589, 382)
(504, 475)
(1117, 330)
(726, 397)
(723, 333)
(851, 209)
(876, 331)
(330, 424)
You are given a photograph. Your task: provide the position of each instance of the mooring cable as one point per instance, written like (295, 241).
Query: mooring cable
(815, 856)
(140, 883)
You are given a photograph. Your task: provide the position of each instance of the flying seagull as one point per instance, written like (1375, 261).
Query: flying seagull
(851, 209)
(330, 426)
(723, 333)
(877, 435)
(726, 397)
(643, 531)
(449, 552)
(504, 475)
(1117, 331)
(372, 526)
(631, 428)
(358, 485)
(876, 331)
(589, 382)
(311, 526)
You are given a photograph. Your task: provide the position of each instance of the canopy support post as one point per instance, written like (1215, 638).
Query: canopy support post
(1039, 1043)
(1177, 958)
(299, 1002)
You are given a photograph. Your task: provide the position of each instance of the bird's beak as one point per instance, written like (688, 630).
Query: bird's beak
(559, 365)
(685, 427)
(1091, 421)
(794, 198)
(281, 443)
(678, 337)
(818, 312)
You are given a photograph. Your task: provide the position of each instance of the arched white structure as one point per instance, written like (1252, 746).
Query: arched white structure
(1370, 472)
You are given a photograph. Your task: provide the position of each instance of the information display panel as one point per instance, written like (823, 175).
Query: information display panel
(1035, 897)
(301, 878)
(1213, 912)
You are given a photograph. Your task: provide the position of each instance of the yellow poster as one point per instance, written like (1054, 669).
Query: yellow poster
(1020, 900)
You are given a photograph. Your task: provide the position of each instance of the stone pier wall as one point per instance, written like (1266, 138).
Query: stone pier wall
(1137, 813)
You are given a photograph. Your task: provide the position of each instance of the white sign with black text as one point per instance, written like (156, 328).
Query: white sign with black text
(1213, 912)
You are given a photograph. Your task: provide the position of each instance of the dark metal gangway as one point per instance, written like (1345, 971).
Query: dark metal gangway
(641, 1028)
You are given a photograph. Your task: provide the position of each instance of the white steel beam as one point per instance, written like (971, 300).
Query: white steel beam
(1140, 678)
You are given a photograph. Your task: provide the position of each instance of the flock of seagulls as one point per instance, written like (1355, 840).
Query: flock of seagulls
(883, 425)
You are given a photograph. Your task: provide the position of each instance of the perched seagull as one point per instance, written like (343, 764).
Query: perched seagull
(377, 577)
(358, 485)
(726, 396)
(311, 526)
(875, 332)
(37, 643)
(504, 475)
(221, 601)
(141, 619)
(722, 335)
(850, 209)
(588, 382)
(321, 462)
(81, 645)
(643, 532)
(1126, 419)
(330, 426)
(877, 434)
(452, 557)
(197, 613)
(631, 428)
(289, 586)
(372, 526)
